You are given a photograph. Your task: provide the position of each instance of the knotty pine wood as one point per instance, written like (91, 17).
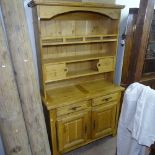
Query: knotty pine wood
(21, 54)
(78, 68)
(74, 4)
(12, 124)
(100, 119)
(72, 129)
(80, 92)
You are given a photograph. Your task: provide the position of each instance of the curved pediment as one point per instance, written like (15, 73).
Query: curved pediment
(48, 13)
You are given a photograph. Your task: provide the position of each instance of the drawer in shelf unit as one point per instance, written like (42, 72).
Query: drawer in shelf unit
(51, 41)
(105, 99)
(73, 108)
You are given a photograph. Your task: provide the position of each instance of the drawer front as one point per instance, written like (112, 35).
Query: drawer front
(106, 64)
(55, 71)
(105, 99)
(73, 108)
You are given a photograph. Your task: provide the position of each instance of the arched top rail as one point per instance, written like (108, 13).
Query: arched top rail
(47, 13)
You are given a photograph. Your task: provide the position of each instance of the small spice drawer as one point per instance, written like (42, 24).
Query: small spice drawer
(73, 108)
(105, 99)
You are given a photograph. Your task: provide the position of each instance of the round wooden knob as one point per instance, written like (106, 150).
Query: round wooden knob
(98, 65)
(66, 69)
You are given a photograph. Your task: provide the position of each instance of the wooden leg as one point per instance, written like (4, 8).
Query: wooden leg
(118, 113)
(53, 133)
(114, 133)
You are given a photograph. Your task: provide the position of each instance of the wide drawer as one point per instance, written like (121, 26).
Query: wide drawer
(73, 108)
(105, 99)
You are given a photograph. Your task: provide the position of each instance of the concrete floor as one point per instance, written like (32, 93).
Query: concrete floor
(105, 146)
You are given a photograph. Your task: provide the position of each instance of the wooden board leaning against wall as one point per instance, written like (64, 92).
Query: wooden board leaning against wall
(137, 48)
(12, 125)
(22, 60)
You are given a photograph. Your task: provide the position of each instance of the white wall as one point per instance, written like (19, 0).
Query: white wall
(128, 4)
(1, 147)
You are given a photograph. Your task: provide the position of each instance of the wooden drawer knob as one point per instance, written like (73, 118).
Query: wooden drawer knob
(107, 99)
(75, 108)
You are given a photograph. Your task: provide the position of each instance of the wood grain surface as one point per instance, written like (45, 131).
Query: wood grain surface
(21, 54)
(12, 125)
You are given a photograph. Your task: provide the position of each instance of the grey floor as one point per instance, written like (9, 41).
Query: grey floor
(105, 146)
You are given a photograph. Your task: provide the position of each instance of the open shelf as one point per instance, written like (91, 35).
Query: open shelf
(147, 77)
(52, 41)
(152, 42)
(75, 74)
(151, 58)
(61, 71)
(77, 58)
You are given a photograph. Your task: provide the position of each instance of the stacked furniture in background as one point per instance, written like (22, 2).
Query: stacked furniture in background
(76, 47)
(147, 76)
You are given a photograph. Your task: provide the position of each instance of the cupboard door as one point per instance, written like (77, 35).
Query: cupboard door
(54, 72)
(103, 120)
(106, 64)
(73, 130)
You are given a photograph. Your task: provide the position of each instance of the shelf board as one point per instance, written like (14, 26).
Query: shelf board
(82, 73)
(53, 41)
(153, 58)
(152, 42)
(149, 74)
(147, 77)
(76, 58)
(77, 74)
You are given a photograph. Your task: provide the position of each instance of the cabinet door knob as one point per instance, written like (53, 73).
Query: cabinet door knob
(66, 69)
(98, 65)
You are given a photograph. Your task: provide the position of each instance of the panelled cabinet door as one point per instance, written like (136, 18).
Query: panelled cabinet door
(53, 72)
(106, 64)
(73, 130)
(103, 120)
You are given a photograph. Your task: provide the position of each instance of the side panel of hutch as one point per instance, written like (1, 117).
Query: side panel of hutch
(77, 44)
